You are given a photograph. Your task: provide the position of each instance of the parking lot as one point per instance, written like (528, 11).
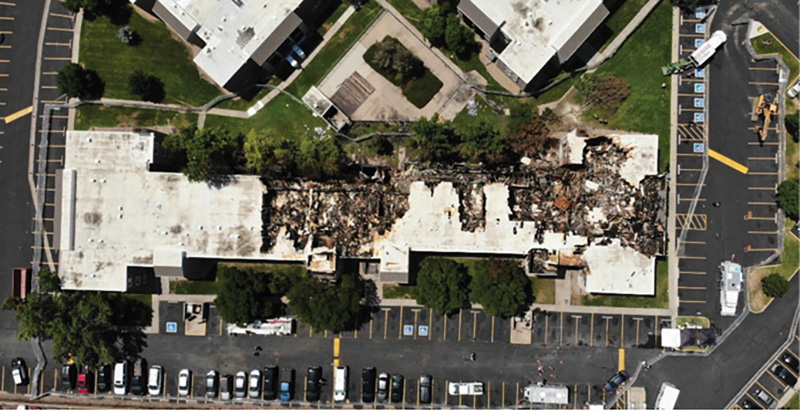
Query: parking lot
(768, 388)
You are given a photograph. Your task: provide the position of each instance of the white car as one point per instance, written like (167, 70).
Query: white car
(254, 388)
(184, 382)
(794, 90)
(465, 388)
(240, 385)
(154, 380)
(121, 378)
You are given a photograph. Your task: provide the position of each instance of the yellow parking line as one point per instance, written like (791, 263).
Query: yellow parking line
(591, 331)
(18, 114)
(690, 184)
(762, 143)
(56, 44)
(762, 250)
(692, 242)
(763, 203)
(772, 189)
(727, 161)
(691, 273)
(5, 47)
(66, 16)
(690, 154)
(621, 362)
(761, 158)
(772, 69)
(692, 287)
(692, 199)
(763, 173)
(761, 232)
(5, 3)
(6, 32)
(764, 83)
(692, 257)
(59, 58)
(766, 218)
(58, 29)
(400, 324)
(692, 301)
(7, 18)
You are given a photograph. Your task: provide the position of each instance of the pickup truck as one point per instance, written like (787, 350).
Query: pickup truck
(465, 388)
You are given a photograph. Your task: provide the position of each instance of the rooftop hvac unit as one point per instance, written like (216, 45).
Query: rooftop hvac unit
(238, 3)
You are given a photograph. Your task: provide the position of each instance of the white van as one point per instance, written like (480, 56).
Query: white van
(340, 384)
(121, 378)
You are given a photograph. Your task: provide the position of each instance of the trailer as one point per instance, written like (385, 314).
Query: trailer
(547, 394)
(668, 397)
(730, 286)
(20, 282)
(703, 53)
(271, 327)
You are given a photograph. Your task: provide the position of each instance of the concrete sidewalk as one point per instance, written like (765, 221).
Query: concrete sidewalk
(600, 310)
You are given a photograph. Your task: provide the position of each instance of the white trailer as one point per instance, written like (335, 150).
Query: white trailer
(700, 56)
(730, 286)
(547, 394)
(465, 388)
(270, 327)
(668, 397)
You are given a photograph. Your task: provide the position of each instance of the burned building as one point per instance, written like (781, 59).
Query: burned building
(602, 212)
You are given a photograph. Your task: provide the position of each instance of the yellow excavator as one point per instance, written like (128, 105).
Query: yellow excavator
(765, 110)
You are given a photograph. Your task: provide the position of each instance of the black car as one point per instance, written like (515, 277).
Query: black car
(397, 388)
(748, 404)
(313, 383)
(425, 383)
(616, 381)
(790, 361)
(104, 378)
(69, 375)
(368, 385)
(270, 382)
(784, 375)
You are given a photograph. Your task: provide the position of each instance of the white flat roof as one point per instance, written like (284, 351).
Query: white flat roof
(615, 269)
(124, 215)
(538, 29)
(220, 23)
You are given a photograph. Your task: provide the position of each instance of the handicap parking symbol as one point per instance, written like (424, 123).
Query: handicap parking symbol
(699, 28)
(698, 42)
(700, 73)
(699, 102)
(408, 330)
(699, 87)
(699, 117)
(423, 330)
(700, 13)
(699, 147)
(172, 327)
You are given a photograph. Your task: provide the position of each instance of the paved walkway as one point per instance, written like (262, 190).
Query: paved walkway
(612, 48)
(601, 310)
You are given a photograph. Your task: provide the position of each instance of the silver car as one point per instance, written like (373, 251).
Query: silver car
(240, 385)
(254, 388)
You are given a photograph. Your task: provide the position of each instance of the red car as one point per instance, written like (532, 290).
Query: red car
(84, 383)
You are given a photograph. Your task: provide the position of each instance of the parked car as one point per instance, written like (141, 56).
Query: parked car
(784, 375)
(794, 91)
(287, 385)
(748, 404)
(270, 382)
(20, 282)
(397, 388)
(465, 388)
(790, 361)
(69, 375)
(368, 385)
(616, 381)
(212, 384)
(139, 377)
(85, 382)
(184, 382)
(425, 382)
(292, 61)
(340, 384)
(254, 387)
(121, 378)
(240, 385)
(299, 52)
(383, 386)
(226, 387)
(764, 398)
(104, 378)
(313, 383)
(155, 380)
(19, 371)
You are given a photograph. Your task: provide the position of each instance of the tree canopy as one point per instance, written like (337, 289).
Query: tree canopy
(433, 25)
(788, 194)
(211, 153)
(75, 81)
(459, 38)
(92, 327)
(603, 91)
(395, 60)
(326, 306)
(442, 285)
(434, 141)
(501, 287)
(249, 295)
(774, 285)
(146, 86)
(49, 281)
(484, 143)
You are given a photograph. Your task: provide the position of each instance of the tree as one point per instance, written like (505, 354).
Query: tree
(459, 38)
(91, 327)
(788, 194)
(245, 297)
(75, 81)
(396, 60)
(325, 306)
(774, 285)
(442, 285)
(433, 140)
(433, 25)
(484, 143)
(791, 122)
(321, 159)
(533, 139)
(603, 91)
(49, 281)
(148, 87)
(117, 10)
(270, 154)
(211, 153)
(501, 287)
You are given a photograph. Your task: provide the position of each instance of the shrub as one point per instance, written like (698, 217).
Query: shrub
(774, 285)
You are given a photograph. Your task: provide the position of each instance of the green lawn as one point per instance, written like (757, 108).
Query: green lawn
(794, 403)
(464, 121)
(336, 47)
(639, 62)
(544, 290)
(789, 264)
(238, 103)
(700, 321)
(113, 116)
(622, 16)
(146, 299)
(194, 287)
(158, 54)
(398, 291)
(660, 300)
(768, 44)
(282, 114)
(418, 91)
